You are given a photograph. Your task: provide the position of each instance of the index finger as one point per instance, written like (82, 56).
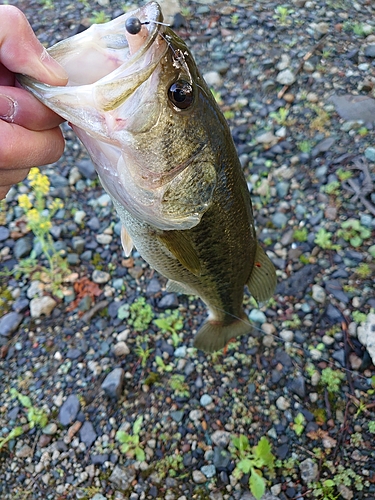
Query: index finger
(21, 52)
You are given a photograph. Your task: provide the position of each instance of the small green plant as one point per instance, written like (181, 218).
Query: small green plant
(364, 271)
(324, 490)
(140, 314)
(35, 416)
(171, 322)
(171, 465)
(252, 460)
(371, 426)
(305, 146)
(280, 116)
(323, 239)
(99, 17)
(143, 353)
(130, 443)
(282, 13)
(299, 424)
(179, 386)
(300, 234)
(333, 188)
(234, 18)
(332, 379)
(359, 317)
(162, 366)
(353, 232)
(344, 175)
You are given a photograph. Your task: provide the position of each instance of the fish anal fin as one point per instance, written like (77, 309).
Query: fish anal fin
(180, 246)
(176, 287)
(262, 281)
(126, 241)
(213, 335)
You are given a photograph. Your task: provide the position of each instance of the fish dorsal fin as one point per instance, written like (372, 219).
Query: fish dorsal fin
(176, 287)
(179, 245)
(127, 242)
(262, 281)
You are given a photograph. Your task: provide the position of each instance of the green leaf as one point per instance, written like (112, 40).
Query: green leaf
(356, 241)
(262, 451)
(24, 400)
(140, 454)
(125, 448)
(257, 484)
(122, 436)
(137, 425)
(245, 465)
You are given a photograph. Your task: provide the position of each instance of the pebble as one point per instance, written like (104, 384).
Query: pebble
(9, 323)
(69, 410)
(286, 77)
(205, 400)
(257, 316)
(42, 306)
(221, 438)
(318, 294)
(199, 477)
(24, 452)
(213, 79)
(122, 477)
(4, 233)
(104, 239)
(113, 383)
(282, 403)
(287, 335)
(87, 434)
(79, 216)
(208, 470)
(279, 220)
(86, 169)
(22, 247)
(35, 289)
(50, 429)
(309, 471)
(100, 277)
(121, 349)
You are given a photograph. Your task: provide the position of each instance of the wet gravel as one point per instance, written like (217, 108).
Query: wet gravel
(296, 82)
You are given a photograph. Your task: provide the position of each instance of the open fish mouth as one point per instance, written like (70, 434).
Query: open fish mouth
(105, 64)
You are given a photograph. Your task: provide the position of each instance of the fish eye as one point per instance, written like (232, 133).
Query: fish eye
(181, 94)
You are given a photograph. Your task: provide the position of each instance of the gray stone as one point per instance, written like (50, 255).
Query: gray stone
(87, 434)
(370, 154)
(86, 169)
(318, 294)
(208, 470)
(309, 471)
(42, 306)
(282, 189)
(78, 244)
(69, 410)
(222, 458)
(112, 384)
(279, 220)
(98, 496)
(286, 77)
(206, 400)
(297, 385)
(221, 438)
(169, 301)
(177, 415)
(199, 477)
(323, 146)
(370, 51)
(50, 429)
(122, 477)
(100, 277)
(22, 247)
(352, 107)
(334, 288)
(257, 316)
(366, 335)
(213, 79)
(9, 323)
(4, 233)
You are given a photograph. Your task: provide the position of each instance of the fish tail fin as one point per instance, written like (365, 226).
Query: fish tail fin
(214, 335)
(262, 281)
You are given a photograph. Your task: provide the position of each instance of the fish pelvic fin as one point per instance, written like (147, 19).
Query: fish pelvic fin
(214, 335)
(177, 287)
(262, 281)
(180, 246)
(126, 241)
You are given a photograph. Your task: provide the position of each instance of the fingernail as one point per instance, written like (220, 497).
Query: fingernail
(54, 68)
(7, 108)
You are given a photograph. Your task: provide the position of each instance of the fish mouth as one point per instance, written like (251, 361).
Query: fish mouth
(105, 65)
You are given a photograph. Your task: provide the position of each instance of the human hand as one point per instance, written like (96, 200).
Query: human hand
(29, 132)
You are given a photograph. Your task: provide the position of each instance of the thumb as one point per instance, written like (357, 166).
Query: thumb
(21, 52)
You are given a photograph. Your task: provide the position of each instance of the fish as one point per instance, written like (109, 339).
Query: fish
(164, 153)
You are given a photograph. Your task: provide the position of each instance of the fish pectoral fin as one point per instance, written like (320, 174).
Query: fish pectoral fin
(213, 335)
(179, 245)
(176, 287)
(127, 242)
(262, 281)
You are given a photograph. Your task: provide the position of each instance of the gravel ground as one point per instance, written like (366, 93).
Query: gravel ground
(296, 83)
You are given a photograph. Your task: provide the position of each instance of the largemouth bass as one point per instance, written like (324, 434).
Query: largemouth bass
(164, 153)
